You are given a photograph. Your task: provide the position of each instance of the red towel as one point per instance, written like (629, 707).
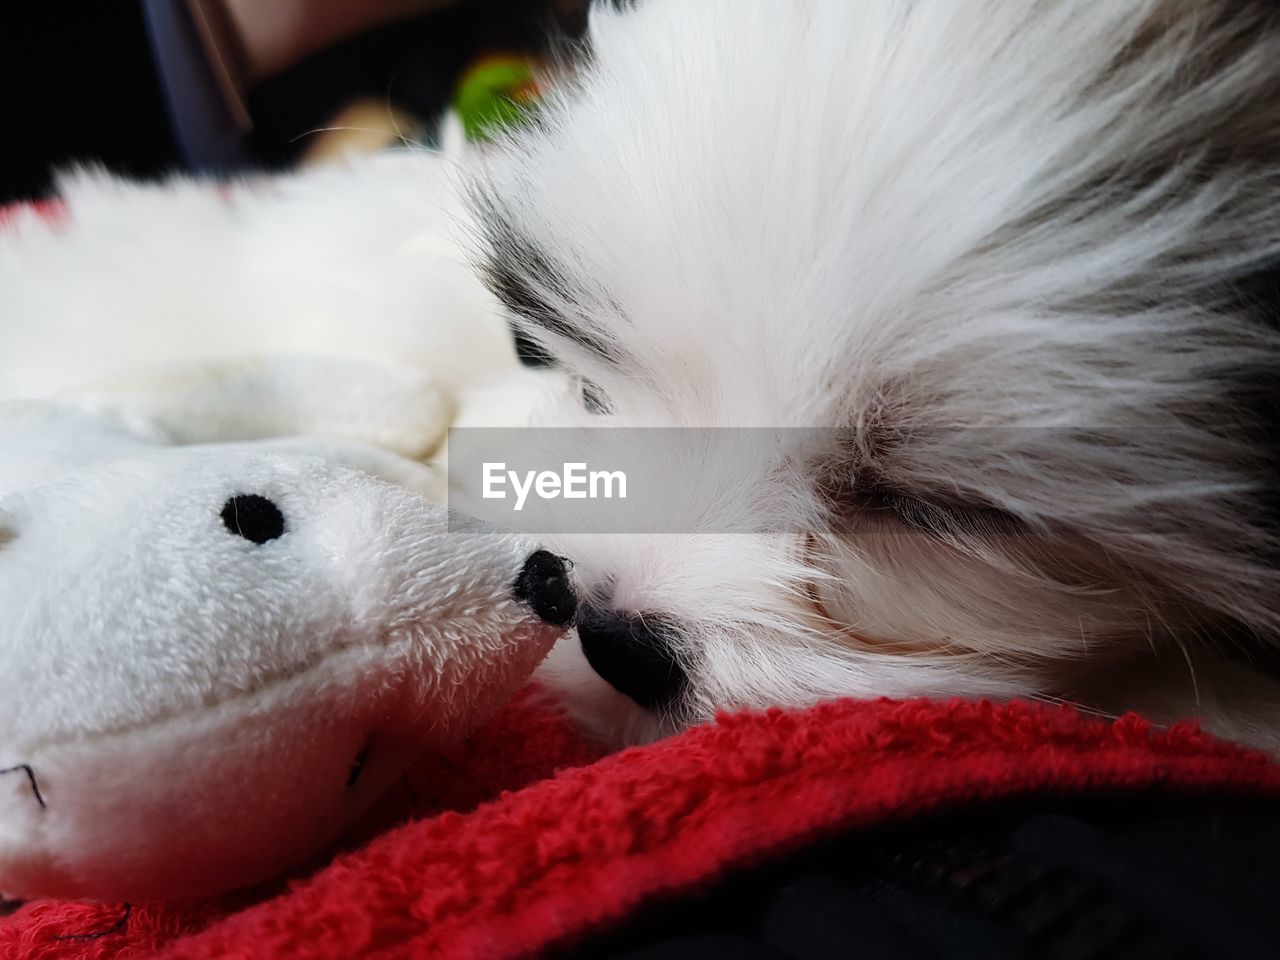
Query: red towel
(572, 851)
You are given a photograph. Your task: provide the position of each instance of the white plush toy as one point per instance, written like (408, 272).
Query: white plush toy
(213, 658)
(262, 292)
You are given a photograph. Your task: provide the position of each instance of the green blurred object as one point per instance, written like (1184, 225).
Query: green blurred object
(495, 94)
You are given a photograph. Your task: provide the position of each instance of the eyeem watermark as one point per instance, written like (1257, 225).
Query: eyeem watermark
(573, 482)
(566, 481)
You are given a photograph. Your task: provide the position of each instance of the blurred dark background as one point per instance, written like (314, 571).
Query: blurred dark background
(82, 84)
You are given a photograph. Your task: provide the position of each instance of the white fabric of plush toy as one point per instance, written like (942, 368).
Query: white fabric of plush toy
(213, 657)
(341, 298)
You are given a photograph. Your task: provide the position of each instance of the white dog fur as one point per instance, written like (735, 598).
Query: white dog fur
(1002, 248)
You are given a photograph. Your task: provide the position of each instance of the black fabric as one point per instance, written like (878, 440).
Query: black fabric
(1144, 880)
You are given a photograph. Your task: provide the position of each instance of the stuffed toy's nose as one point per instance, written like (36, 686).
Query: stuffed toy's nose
(544, 585)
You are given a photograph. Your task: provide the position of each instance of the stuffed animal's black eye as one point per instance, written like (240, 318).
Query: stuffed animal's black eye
(253, 517)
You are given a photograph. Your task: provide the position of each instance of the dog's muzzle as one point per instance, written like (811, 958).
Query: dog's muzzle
(634, 653)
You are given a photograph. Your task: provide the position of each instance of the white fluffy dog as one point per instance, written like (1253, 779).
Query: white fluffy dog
(1012, 254)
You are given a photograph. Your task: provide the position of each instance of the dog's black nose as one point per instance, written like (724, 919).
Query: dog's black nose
(633, 653)
(544, 585)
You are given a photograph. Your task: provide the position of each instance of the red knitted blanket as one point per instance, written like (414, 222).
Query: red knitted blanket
(540, 843)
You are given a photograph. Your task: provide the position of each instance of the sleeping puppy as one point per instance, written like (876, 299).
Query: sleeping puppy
(1010, 257)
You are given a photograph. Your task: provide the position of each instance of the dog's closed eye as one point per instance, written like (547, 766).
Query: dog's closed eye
(861, 487)
(948, 520)
(867, 495)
